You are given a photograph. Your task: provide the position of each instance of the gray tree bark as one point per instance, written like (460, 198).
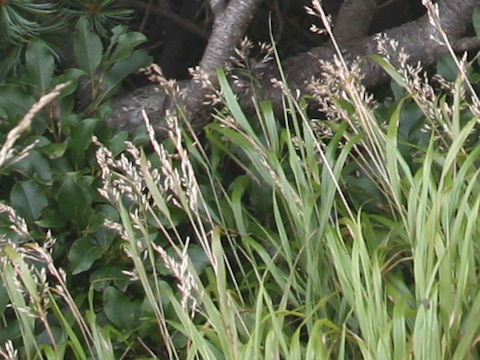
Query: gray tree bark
(417, 38)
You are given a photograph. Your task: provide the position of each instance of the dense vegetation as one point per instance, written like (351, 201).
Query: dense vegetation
(347, 232)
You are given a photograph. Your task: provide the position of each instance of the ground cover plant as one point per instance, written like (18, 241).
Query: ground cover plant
(274, 236)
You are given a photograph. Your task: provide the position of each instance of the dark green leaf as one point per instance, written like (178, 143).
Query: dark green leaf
(55, 150)
(105, 275)
(476, 20)
(40, 165)
(4, 299)
(51, 219)
(103, 235)
(80, 139)
(117, 143)
(119, 309)
(14, 101)
(126, 44)
(447, 67)
(410, 119)
(44, 338)
(40, 64)
(116, 32)
(35, 164)
(72, 76)
(83, 253)
(198, 257)
(75, 199)
(11, 331)
(121, 69)
(28, 198)
(87, 47)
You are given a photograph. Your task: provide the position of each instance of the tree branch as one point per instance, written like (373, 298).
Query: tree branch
(218, 7)
(353, 19)
(417, 38)
(228, 30)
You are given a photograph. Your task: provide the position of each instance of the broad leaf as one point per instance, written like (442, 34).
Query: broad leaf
(40, 165)
(447, 68)
(72, 76)
(119, 309)
(51, 219)
(476, 20)
(54, 150)
(40, 64)
(81, 138)
(104, 276)
(121, 69)
(117, 143)
(88, 47)
(14, 101)
(29, 199)
(126, 44)
(116, 32)
(198, 258)
(4, 299)
(75, 199)
(83, 253)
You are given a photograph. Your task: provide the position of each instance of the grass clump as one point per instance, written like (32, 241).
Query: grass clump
(297, 264)
(278, 237)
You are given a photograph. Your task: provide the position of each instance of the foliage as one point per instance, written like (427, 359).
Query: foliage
(23, 21)
(280, 237)
(52, 184)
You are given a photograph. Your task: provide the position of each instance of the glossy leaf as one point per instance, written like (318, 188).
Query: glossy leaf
(126, 44)
(116, 32)
(14, 101)
(88, 47)
(35, 164)
(83, 253)
(74, 199)
(29, 199)
(117, 144)
(476, 20)
(70, 75)
(4, 300)
(198, 257)
(51, 219)
(104, 276)
(447, 68)
(40, 64)
(81, 138)
(54, 150)
(119, 309)
(121, 69)
(3, 114)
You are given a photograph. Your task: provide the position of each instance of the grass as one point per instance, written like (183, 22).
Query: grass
(279, 237)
